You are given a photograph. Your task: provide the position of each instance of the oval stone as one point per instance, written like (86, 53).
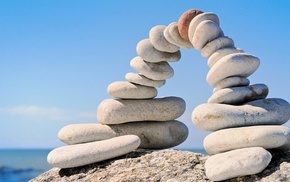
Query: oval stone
(171, 33)
(212, 117)
(205, 32)
(198, 19)
(153, 135)
(215, 45)
(154, 71)
(147, 52)
(268, 137)
(237, 64)
(143, 80)
(112, 111)
(158, 40)
(233, 81)
(88, 153)
(217, 55)
(240, 162)
(184, 21)
(238, 95)
(127, 90)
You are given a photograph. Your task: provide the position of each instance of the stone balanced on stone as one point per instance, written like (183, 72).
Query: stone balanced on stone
(134, 118)
(244, 122)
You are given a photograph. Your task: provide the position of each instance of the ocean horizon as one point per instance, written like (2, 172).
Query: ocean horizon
(17, 165)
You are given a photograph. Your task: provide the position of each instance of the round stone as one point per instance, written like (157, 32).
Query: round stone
(215, 45)
(153, 135)
(148, 53)
(212, 117)
(171, 33)
(237, 64)
(127, 90)
(205, 32)
(234, 81)
(154, 71)
(112, 111)
(143, 80)
(217, 55)
(184, 21)
(158, 40)
(88, 153)
(239, 95)
(268, 137)
(198, 19)
(240, 162)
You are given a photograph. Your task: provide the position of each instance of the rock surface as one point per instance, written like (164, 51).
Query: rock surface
(165, 165)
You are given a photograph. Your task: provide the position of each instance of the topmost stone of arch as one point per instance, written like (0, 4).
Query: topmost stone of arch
(244, 122)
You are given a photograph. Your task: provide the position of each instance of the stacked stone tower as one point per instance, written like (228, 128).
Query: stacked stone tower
(244, 122)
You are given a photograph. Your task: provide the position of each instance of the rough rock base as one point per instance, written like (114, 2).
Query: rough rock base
(163, 166)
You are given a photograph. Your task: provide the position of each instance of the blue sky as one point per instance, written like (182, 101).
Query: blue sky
(58, 57)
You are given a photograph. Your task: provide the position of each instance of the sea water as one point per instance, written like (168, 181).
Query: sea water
(17, 165)
(21, 165)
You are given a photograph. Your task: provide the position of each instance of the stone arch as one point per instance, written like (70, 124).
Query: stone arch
(150, 122)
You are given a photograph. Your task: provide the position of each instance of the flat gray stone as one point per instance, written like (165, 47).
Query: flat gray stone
(158, 40)
(240, 162)
(212, 117)
(143, 80)
(206, 31)
(234, 81)
(217, 55)
(155, 71)
(237, 64)
(112, 111)
(215, 45)
(88, 153)
(172, 35)
(153, 135)
(239, 95)
(150, 54)
(198, 19)
(127, 90)
(267, 137)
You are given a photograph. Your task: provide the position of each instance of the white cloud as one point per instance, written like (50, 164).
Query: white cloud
(50, 113)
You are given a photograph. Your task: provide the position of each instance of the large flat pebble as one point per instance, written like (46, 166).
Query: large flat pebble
(127, 90)
(268, 137)
(155, 71)
(198, 19)
(234, 81)
(205, 32)
(88, 153)
(143, 80)
(212, 117)
(237, 64)
(150, 54)
(240, 162)
(215, 45)
(158, 40)
(172, 35)
(112, 111)
(153, 135)
(217, 55)
(238, 95)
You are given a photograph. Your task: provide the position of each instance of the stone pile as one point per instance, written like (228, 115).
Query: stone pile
(133, 118)
(244, 122)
